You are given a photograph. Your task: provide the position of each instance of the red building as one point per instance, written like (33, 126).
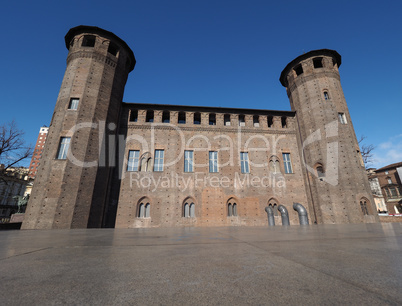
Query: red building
(40, 144)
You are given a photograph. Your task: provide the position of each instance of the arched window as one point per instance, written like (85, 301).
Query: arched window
(141, 211)
(320, 172)
(363, 206)
(232, 207)
(274, 164)
(189, 208)
(273, 203)
(326, 95)
(145, 162)
(147, 210)
(235, 209)
(275, 209)
(192, 210)
(144, 210)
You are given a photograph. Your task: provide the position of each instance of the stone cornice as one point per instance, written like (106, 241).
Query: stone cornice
(210, 129)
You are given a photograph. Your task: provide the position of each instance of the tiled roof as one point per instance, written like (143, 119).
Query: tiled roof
(396, 165)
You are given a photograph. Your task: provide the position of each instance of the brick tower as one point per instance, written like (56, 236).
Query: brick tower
(71, 187)
(335, 178)
(37, 154)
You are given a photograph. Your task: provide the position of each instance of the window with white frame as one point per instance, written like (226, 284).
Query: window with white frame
(213, 161)
(244, 162)
(133, 160)
(73, 103)
(63, 147)
(188, 161)
(287, 163)
(342, 118)
(389, 181)
(158, 160)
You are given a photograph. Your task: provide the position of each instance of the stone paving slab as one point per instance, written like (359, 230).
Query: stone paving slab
(315, 265)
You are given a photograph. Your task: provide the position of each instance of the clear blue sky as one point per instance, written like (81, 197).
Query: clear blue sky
(212, 53)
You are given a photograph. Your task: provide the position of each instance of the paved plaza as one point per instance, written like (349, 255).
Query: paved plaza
(357, 264)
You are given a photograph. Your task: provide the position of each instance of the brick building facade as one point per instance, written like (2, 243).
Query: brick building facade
(14, 182)
(37, 154)
(389, 179)
(113, 164)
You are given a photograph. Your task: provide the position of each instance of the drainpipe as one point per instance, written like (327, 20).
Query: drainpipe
(303, 218)
(284, 214)
(271, 219)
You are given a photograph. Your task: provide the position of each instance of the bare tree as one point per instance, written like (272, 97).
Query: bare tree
(13, 148)
(366, 151)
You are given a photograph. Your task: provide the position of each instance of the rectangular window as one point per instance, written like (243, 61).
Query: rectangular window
(133, 158)
(244, 162)
(393, 192)
(88, 41)
(63, 147)
(287, 163)
(181, 118)
(256, 121)
(342, 118)
(188, 161)
(212, 119)
(242, 120)
(226, 119)
(134, 115)
(158, 161)
(387, 192)
(112, 49)
(213, 161)
(73, 103)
